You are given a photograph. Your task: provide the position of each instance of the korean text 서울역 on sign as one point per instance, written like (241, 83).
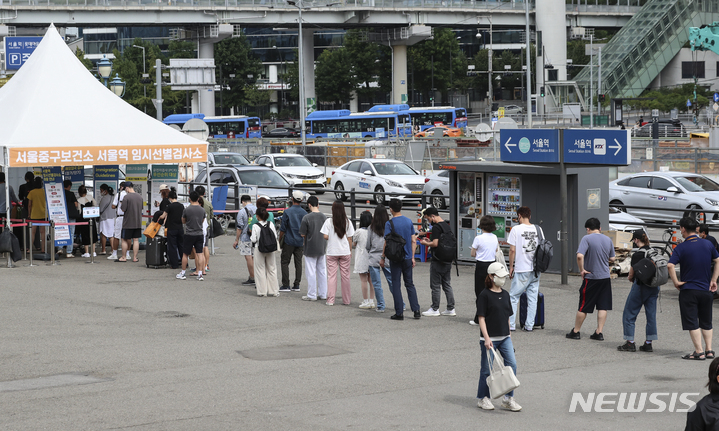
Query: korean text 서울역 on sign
(529, 145)
(18, 50)
(107, 155)
(597, 147)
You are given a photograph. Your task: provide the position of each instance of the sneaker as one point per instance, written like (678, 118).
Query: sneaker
(449, 313)
(646, 347)
(473, 323)
(365, 304)
(430, 312)
(417, 314)
(379, 310)
(372, 304)
(284, 288)
(627, 347)
(597, 336)
(200, 278)
(85, 255)
(276, 294)
(329, 303)
(113, 256)
(61, 251)
(397, 317)
(128, 256)
(94, 254)
(509, 404)
(485, 404)
(307, 298)
(181, 276)
(295, 288)
(525, 329)
(323, 298)
(249, 282)
(573, 335)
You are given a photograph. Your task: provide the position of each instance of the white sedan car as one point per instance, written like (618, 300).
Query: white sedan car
(296, 169)
(374, 177)
(438, 184)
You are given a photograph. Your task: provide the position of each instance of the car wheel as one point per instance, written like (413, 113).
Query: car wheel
(379, 198)
(437, 202)
(340, 196)
(695, 212)
(614, 203)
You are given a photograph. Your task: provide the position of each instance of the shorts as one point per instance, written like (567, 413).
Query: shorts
(192, 242)
(695, 309)
(131, 233)
(595, 293)
(107, 228)
(245, 248)
(118, 228)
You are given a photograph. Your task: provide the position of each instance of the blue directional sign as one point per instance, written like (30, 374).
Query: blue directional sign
(716, 97)
(689, 103)
(529, 145)
(18, 50)
(597, 147)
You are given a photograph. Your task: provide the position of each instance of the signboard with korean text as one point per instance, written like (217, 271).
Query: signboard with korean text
(597, 147)
(18, 50)
(162, 174)
(56, 208)
(76, 174)
(107, 155)
(529, 145)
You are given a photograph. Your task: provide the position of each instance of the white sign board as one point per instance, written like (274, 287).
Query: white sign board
(91, 212)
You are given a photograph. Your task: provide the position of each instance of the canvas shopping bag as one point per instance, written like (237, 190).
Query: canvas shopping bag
(501, 378)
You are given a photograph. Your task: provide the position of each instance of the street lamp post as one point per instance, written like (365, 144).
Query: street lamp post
(303, 102)
(104, 69)
(117, 86)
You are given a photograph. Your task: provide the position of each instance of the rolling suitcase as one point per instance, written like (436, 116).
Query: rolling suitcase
(155, 252)
(539, 317)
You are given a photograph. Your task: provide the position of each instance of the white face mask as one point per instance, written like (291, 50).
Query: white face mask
(499, 281)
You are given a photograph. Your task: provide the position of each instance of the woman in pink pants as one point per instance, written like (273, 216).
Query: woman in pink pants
(338, 232)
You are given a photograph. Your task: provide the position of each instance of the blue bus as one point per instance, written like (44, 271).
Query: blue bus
(236, 127)
(429, 116)
(341, 123)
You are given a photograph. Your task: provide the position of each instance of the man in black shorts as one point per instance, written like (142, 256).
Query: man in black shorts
(192, 218)
(695, 257)
(131, 223)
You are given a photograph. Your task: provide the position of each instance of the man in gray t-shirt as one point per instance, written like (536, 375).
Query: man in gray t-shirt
(594, 254)
(315, 246)
(193, 217)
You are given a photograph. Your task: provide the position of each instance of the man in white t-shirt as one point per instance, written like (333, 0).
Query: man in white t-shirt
(522, 246)
(115, 243)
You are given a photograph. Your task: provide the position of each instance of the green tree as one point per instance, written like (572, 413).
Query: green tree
(439, 60)
(334, 77)
(371, 63)
(234, 56)
(80, 54)
(291, 77)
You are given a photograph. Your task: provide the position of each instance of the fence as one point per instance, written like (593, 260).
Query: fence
(655, 155)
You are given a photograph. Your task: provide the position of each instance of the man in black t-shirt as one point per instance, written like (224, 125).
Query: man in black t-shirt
(72, 214)
(440, 273)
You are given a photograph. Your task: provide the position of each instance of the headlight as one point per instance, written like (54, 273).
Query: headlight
(393, 184)
(712, 202)
(290, 176)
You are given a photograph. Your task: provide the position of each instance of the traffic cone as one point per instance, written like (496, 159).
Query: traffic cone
(674, 235)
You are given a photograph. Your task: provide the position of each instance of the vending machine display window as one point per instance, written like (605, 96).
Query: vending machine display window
(504, 197)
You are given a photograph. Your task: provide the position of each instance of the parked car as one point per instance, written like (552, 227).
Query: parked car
(619, 220)
(437, 184)
(282, 132)
(509, 110)
(224, 158)
(372, 177)
(666, 196)
(269, 182)
(296, 169)
(451, 132)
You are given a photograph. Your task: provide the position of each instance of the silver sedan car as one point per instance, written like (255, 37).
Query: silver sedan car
(667, 196)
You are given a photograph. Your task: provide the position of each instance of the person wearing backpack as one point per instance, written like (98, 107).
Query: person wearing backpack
(242, 237)
(523, 240)
(444, 248)
(399, 246)
(639, 295)
(264, 237)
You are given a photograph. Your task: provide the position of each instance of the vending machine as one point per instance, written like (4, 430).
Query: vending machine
(504, 197)
(470, 192)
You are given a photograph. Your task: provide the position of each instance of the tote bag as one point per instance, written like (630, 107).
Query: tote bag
(501, 378)
(152, 229)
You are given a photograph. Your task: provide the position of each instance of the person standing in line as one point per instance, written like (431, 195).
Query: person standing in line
(13, 198)
(37, 208)
(315, 249)
(210, 212)
(695, 256)
(359, 241)
(705, 415)
(73, 215)
(495, 308)
(174, 230)
(403, 227)
(484, 251)
(640, 294)
(440, 273)
(23, 192)
(338, 232)
(131, 223)
(704, 234)
(293, 244)
(595, 253)
(117, 234)
(265, 263)
(522, 247)
(375, 248)
(194, 239)
(85, 237)
(242, 237)
(107, 217)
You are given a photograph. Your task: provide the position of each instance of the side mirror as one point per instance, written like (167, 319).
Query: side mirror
(369, 173)
(673, 189)
(314, 165)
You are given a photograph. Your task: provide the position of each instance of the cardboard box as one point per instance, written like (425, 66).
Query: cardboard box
(620, 239)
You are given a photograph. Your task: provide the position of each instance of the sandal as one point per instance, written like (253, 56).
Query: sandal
(709, 354)
(696, 356)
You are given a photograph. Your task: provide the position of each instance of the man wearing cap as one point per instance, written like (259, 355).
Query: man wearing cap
(440, 272)
(293, 242)
(117, 234)
(131, 223)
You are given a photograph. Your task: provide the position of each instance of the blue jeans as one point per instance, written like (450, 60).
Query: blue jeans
(72, 238)
(376, 277)
(638, 296)
(399, 271)
(524, 281)
(505, 349)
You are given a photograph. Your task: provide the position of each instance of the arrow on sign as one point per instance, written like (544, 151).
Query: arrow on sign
(618, 147)
(507, 145)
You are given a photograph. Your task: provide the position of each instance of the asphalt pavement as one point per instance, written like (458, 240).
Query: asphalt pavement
(120, 346)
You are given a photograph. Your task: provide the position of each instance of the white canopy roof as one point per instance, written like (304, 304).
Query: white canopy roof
(54, 103)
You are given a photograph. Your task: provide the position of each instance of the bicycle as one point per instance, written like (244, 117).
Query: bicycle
(668, 243)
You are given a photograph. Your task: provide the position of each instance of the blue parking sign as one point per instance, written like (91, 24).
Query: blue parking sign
(18, 50)
(716, 97)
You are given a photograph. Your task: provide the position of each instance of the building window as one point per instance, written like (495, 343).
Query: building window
(692, 68)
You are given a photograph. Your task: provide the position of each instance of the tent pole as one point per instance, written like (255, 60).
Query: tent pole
(6, 169)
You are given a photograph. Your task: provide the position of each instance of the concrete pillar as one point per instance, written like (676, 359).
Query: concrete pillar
(273, 101)
(354, 102)
(207, 98)
(308, 65)
(399, 74)
(549, 14)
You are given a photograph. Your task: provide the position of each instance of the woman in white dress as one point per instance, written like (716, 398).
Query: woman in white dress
(107, 216)
(362, 259)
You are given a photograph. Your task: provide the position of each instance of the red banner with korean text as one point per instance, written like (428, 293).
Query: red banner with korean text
(107, 155)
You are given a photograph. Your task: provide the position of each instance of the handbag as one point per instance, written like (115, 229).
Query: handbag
(152, 229)
(501, 378)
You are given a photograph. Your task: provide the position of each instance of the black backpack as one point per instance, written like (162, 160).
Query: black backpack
(446, 250)
(543, 254)
(267, 242)
(394, 246)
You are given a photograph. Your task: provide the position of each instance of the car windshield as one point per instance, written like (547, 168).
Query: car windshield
(264, 178)
(291, 161)
(698, 184)
(230, 159)
(393, 169)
